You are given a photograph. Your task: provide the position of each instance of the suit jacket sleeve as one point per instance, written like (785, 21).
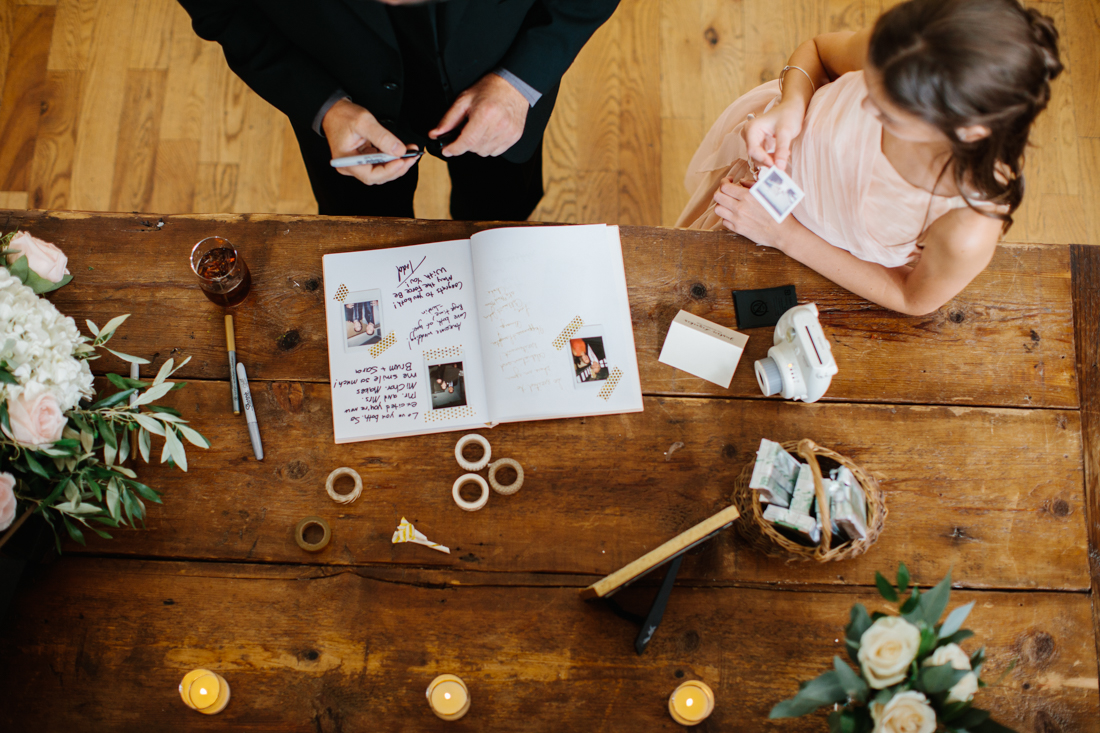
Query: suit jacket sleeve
(551, 39)
(262, 56)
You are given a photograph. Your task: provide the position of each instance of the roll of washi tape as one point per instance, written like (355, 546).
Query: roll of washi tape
(330, 485)
(304, 526)
(470, 506)
(515, 485)
(480, 463)
(205, 691)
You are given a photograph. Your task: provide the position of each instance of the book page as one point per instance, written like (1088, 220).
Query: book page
(404, 354)
(557, 339)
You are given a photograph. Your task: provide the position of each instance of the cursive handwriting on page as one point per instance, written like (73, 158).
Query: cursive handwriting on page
(379, 393)
(519, 344)
(436, 320)
(417, 288)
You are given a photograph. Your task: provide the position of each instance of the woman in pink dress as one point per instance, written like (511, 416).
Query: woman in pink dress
(908, 141)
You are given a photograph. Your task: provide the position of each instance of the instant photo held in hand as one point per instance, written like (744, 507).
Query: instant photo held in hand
(512, 324)
(777, 193)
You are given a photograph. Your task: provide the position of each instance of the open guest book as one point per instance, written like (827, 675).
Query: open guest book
(513, 324)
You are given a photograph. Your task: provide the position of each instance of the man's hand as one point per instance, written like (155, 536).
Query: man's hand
(495, 112)
(352, 130)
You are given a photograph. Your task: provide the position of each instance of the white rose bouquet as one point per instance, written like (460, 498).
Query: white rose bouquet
(61, 454)
(913, 675)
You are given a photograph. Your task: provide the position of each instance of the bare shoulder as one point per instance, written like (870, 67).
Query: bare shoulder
(843, 51)
(964, 235)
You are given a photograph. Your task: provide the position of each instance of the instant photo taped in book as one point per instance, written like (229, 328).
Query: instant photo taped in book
(588, 358)
(363, 325)
(777, 193)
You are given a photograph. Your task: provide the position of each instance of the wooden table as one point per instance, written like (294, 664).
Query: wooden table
(981, 420)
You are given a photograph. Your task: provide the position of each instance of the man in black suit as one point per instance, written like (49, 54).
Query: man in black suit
(473, 81)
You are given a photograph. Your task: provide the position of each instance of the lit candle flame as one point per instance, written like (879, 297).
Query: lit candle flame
(202, 690)
(446, 696)
(690, 702)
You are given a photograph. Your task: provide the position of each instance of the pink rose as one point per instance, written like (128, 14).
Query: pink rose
(7, 500)
(45, 259)
(37, 422)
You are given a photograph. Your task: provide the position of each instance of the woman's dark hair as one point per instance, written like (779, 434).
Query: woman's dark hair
(956, 63)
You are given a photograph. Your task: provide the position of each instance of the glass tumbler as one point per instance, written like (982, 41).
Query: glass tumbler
(222, 272)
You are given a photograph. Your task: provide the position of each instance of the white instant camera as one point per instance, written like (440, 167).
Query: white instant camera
(801, 364)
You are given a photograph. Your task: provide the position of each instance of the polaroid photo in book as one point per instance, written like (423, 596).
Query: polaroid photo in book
(447, 382)
(777, 193)
(588, 358)
(363, 325)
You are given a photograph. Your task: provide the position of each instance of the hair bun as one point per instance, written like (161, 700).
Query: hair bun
(1046, 40)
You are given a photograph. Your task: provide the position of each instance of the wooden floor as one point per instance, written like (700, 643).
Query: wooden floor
(116, 105)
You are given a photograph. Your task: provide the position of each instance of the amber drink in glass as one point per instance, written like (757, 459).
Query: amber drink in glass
(223, 274)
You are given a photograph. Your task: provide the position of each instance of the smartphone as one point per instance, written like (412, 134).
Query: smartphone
(371, 159)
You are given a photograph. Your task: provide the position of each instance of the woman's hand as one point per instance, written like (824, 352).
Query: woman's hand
(769, 136)
(743, 214)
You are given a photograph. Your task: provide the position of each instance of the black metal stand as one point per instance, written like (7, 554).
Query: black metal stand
(652, 619)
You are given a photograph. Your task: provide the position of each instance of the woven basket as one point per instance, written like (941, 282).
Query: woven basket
(762, 535)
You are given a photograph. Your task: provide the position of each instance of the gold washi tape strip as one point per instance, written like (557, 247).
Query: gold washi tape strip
(612, 383)
(389, 340)
(449, 413)
(567, 333)
(341, 293)
(444, 353)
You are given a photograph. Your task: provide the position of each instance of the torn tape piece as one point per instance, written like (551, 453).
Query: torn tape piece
(382, 345)
(567, 333)
(612, 383)
(406, 532)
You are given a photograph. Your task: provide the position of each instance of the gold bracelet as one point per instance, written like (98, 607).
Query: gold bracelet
(813, 86)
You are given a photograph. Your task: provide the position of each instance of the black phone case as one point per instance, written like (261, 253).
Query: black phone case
(760, 308)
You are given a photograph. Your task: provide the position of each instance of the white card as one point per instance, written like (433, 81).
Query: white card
(702, 348)
(777, 193)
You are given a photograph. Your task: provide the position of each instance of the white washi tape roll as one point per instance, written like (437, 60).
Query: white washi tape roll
(470, 506)
(344, 498)
(473, 465)
(512, 488)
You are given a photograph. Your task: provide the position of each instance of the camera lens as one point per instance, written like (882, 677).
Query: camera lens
(768, 376)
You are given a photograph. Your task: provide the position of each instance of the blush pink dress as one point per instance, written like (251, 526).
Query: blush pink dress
(855, 199)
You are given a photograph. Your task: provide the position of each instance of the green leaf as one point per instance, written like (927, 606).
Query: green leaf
(127, 383)
(111, 326)
(853, 684)
(145, 491)
(175, 448)
(113, 400)
(92, 327)
(884, 588)
(165, 370)
(933, 602)
(822, 690)
(107, 432)
(194, 437)
(166, 410)
(75, 533)
(927, 642)
(853, 632)
(955, 619)
(87, 440)
(953, 710)
(41, 285)
(114, 506)
(940, 678)
(4, 416)
(20, 269)
(150, 424)
(154, 393)
(7, 377)
(903, 578)
(144, 444)
(127, 357)
(124, 447)
(34, 465)
(957, 638)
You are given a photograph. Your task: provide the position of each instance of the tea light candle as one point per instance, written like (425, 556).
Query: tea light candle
(448, 697)
(691, 703)
(205, 691)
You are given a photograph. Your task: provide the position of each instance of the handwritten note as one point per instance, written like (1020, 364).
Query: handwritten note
(379, 393)
(519, 344)
(417, 288)
(437, 319)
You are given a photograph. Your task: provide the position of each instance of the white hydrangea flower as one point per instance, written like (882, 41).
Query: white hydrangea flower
(38, 343)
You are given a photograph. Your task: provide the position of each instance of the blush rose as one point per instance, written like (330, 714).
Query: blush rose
(37, 421)
(45, 259)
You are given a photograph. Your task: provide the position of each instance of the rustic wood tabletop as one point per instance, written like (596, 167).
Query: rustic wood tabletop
(981, 421)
